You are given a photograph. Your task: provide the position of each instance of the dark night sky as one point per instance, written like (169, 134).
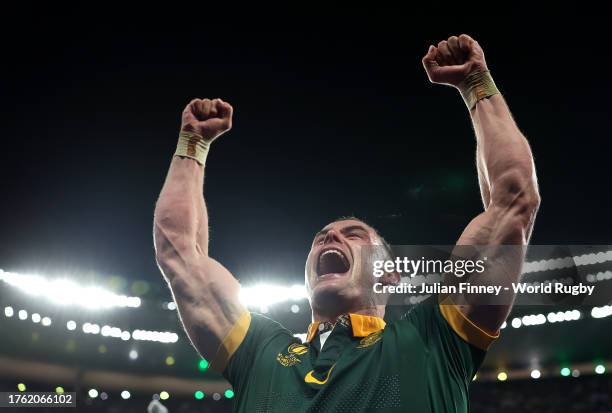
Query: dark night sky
(332, 117)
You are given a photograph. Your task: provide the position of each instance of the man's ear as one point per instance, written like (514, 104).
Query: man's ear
(391, 278)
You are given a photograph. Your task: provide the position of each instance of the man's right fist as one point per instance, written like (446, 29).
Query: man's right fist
(208, 118)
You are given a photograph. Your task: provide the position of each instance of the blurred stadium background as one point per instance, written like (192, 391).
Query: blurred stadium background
(118, 344)
(334, 117)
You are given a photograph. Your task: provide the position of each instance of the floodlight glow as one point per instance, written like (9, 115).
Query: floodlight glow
(133, 354)
(601, 312)
(71, 325)
(567, 262)
(565, 371)
(267, 294)
(535, 374)
(93, 393)
(502, 376)
(46, 321)
(600, 369)
(66, 292)
(158, 336)
(36, 318)
(164, 395)
(23, 315)
(125, 394)
(8, 311)
(203, 365)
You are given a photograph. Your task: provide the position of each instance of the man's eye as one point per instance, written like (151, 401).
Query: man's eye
(353, 236)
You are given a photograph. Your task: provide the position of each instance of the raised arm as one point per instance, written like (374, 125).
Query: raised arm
(506, 173)
(205, 292)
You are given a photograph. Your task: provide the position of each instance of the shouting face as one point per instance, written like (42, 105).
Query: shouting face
(339, 276)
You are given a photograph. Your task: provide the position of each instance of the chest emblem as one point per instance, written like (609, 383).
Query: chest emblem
(290, 358)
(370, 340)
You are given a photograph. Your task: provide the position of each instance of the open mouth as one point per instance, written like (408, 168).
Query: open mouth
(332, 261)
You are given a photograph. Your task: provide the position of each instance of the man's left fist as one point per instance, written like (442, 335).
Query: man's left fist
(453, 60)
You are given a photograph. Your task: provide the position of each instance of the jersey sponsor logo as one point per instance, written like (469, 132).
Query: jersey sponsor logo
(309, 378)
(291, 358)
(370, 340)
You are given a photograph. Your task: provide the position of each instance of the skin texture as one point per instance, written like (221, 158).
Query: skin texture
(206, 292)
(506, 175)
(336, 294)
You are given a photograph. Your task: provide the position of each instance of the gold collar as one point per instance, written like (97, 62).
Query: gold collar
(362, 325)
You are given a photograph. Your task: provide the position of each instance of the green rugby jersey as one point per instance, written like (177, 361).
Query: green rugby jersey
(423, 362)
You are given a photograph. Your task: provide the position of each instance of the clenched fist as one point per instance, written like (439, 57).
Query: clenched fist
(208, 118)
(453, 60)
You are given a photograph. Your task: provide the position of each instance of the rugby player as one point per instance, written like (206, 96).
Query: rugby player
(352, 360)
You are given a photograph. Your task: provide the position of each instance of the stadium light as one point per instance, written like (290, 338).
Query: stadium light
(67, 292)
(601, 312)
(93, 393)
(8, 311)
(164, 395)
(565, 371)
(125, 395)
(535, 374)
(600, 369)
(36, 318)
(22, 314)
(59, 390)
(268, 294)
(169, 361)
(203, 365)
(229, 393)
(199, 395)
(502, 376)
(21, 387)
(158, 336)
(71, 325)
(133, 354)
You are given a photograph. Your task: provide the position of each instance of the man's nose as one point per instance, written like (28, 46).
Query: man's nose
(331, 236)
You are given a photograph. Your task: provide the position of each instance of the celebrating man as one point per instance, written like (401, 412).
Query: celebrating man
(351, 361)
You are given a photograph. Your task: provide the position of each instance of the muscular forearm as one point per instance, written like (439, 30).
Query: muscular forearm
(505, 163)
(506, 175)
(206, 292)
(181, 222)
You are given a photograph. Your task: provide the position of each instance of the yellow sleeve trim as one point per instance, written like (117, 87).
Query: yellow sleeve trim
(230, 343)
(464, 327)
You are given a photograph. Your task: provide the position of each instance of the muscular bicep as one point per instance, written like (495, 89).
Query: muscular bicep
(207, 297)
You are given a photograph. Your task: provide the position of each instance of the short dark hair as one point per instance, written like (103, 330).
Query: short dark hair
(384, 241)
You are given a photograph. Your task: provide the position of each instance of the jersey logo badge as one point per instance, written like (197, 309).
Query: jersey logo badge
(291, 358)
(309, 378)
(370, 340)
